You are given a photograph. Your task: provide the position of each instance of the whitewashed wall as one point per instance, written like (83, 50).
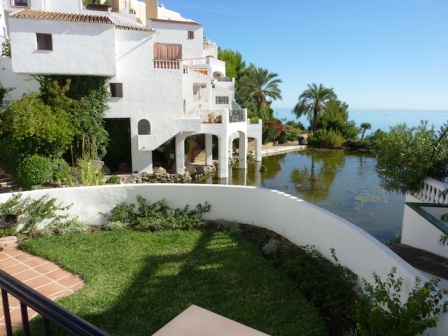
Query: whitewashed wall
(300, 222)
(21, 83)
(177, 33)
(66, 6)
(418, 232)
(78, 48)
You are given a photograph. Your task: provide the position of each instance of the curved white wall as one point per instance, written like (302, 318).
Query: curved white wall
(300, 222)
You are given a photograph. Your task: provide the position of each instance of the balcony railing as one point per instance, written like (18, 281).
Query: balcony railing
(221, 116)
(50, 311)
(432, 192)
(166, 64)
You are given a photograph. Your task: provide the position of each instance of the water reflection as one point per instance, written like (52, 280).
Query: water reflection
(343, 183)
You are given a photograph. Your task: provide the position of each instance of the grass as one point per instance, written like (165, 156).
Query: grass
(136, 282)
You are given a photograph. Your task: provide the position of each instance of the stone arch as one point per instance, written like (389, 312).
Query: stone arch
(144, 127)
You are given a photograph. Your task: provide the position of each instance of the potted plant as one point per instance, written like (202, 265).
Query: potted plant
(211, 117)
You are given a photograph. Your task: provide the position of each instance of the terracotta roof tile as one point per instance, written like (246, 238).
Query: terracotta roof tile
(176, 22)
(119, 22)
(37, 14)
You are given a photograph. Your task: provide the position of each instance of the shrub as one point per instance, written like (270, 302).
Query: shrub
(381, 312)
(62, 174)
(282, 138)
(89, 174)
(408, 155)
(157, 216)
(32, 212)
(271, 247)
(227, 226)
(329, 286)
(35, 170)
(112, 226)
(357, 144)
(68, 227)
(114, 179)
(10, 156)
(326, 139)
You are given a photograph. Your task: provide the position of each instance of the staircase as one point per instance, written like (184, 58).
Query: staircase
(7, 183)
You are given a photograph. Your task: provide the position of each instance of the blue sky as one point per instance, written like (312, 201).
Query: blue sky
(377, 54)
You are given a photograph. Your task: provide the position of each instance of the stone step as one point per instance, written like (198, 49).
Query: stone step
(7, 183)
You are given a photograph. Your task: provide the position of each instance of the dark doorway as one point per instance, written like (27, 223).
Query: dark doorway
(119, 156)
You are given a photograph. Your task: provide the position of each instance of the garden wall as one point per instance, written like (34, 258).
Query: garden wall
(299, 221)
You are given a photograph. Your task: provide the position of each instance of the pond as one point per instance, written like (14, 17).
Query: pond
(343, 183)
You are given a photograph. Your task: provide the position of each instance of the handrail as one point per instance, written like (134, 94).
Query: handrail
(49, 310)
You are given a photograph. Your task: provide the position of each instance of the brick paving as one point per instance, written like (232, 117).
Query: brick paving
(42, 275)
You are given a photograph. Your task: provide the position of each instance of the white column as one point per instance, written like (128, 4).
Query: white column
(180, 153)
(208, 149)
(259, 141)
(243, 151)
(223, 154)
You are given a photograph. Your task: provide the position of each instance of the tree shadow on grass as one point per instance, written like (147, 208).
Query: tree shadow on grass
(219, 272)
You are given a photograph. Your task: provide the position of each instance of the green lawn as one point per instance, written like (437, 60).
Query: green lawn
(136, 282)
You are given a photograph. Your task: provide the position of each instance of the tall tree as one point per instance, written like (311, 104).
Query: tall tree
(235, 66)
(312, 101)
(258, 85)
(365, 126)
(335, 118)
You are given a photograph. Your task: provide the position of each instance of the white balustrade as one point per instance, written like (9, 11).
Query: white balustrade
(432, 191)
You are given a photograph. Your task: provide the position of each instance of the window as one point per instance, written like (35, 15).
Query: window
(20, 3)
(116, 90)
(222, 100)
(44, 41)
(190, 34)
(144, 127)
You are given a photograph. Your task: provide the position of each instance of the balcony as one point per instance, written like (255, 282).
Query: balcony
(225, 116)
(166, 64)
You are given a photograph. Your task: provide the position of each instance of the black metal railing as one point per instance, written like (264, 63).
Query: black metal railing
(50, 311)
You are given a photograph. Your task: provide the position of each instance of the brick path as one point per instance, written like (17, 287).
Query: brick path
(45, 277)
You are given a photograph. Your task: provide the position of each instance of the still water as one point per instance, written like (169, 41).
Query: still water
(344, 183)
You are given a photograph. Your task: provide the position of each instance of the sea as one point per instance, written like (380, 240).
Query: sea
(379, 119)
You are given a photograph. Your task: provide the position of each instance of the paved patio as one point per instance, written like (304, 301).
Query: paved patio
(45, 277)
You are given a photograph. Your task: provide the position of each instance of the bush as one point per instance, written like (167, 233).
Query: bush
(89, 173)
(326, 139)
(34, 212)
(35, 170)
(407, 155)
(330, 287)
(357, 144)
(271, 247)
(62, 174)
(10, 156)
(381, 312)
(282, 138)
(157, 216)
(114, 179)
(68, 227)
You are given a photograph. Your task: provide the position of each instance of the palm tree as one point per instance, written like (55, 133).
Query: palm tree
(312, 101)
(365, 126)
(258, 84)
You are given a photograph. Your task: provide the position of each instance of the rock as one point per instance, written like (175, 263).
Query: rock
(159, 171)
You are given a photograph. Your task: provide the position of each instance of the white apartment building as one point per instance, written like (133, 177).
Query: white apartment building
(164, 77)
